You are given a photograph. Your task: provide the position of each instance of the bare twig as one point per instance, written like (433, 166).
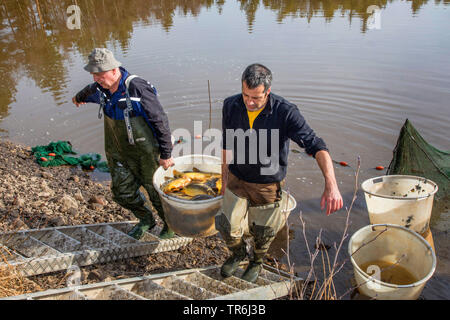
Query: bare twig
(326, 289)
(370, 241)
(210, 106)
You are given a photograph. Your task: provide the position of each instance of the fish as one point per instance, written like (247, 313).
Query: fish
(194, 176)
(179, 195)
(175, 185)
(202, 197)
(219, 185)
(193, 185)
(195, 189)
(215, 183)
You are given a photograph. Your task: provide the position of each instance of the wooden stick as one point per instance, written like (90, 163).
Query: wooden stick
(39, 13)
(210, 106)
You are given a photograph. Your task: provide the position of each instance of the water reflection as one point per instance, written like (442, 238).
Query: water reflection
(328, 9)
(36, 41)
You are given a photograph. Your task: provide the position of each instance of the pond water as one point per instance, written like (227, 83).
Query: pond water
(356, 73)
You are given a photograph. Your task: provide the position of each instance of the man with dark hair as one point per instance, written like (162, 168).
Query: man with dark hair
(137, 136)
(252, 181)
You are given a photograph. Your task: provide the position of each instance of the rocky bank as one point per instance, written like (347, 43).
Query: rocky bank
(32, 197)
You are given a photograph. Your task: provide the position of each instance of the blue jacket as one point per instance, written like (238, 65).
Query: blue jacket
(144, 102)
(261, 155)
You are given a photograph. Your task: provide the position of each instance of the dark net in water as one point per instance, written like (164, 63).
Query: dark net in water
(414, 156)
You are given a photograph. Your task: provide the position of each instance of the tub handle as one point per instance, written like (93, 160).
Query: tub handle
(377, 180)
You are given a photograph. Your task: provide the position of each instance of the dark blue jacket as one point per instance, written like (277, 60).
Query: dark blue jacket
(144, 101)
(279, 117)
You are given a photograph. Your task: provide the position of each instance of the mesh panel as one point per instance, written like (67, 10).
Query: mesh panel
(414, 156)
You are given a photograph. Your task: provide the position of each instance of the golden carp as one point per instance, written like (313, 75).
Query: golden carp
(193, 175)
(179, 195)
(195, 189)
(193, 185)
(176, 185)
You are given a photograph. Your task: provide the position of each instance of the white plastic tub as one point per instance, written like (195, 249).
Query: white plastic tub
(195, 218)
(190, 218)
(391, 244)
(400, 199)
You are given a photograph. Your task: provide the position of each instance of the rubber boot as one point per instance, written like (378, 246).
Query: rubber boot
(253, 269)
(146, 222)
(166, 232)
(139, 229)
(232, 263)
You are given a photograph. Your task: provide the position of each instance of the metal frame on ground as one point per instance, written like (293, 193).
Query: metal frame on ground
(193, 284)
(40, 251)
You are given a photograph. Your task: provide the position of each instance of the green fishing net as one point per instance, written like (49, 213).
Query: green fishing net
(414, 156)
(60, 153)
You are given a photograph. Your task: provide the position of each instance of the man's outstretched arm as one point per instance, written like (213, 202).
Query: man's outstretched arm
(331, 195)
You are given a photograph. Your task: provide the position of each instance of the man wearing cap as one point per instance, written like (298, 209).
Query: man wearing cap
(257, 126)
(137, 136)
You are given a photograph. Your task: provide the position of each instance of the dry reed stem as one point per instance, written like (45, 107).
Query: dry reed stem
(328, 280)
(12, 282)
(327, 289)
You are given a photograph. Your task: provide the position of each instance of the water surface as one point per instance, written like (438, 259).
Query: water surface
(355, 84)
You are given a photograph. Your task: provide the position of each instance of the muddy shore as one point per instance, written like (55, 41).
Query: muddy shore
(32, 197)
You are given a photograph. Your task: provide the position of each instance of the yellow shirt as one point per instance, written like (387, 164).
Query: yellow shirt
(252, 116)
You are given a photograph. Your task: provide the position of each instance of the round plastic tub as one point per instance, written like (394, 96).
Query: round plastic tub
(195, 218)
(390, 244)
(189, 218)
(400, 199)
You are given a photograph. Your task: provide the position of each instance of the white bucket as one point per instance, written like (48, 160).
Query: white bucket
(400, 199)
(185, 217)
(390, 244)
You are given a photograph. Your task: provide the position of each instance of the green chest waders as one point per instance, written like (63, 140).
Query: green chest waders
(133, 166)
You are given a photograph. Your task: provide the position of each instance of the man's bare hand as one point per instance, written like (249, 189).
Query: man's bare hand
(74, 100)
(331, 196)
(166, 163)
(333, 199)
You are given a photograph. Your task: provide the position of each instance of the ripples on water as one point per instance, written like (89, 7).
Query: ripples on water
(355, 85)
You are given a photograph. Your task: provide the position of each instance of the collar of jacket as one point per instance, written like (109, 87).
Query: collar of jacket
(269, 106)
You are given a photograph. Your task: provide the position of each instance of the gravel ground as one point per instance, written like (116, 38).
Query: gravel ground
(32, 197)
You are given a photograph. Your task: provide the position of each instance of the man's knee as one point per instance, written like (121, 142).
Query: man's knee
(262, 235)
(129, 200)
(124, 188)
(224, 227)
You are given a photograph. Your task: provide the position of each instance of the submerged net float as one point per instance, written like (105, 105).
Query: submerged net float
(343, 163)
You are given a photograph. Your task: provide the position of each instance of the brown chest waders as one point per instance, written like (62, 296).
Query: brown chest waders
(238, 217)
